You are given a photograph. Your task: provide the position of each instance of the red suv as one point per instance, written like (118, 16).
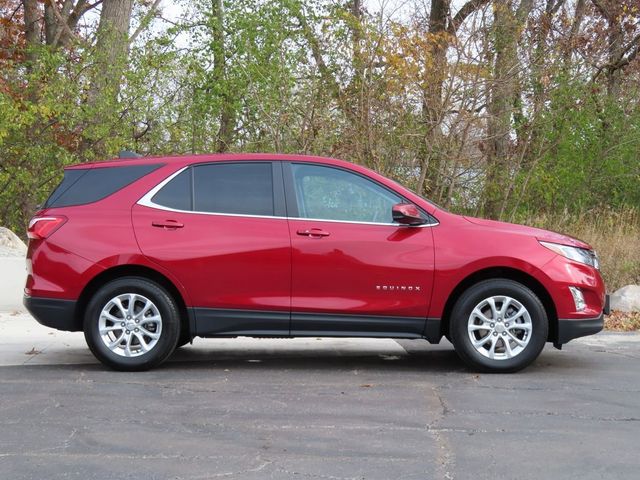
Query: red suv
(145, 254)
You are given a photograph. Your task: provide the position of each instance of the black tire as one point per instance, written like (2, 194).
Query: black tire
(169, 333)
(472, 297)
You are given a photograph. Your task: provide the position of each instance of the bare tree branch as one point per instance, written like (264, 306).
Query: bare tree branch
(466, 10)
(316, 52)
(603, 11)
(633, 44)
(62, 25)
(144, 21)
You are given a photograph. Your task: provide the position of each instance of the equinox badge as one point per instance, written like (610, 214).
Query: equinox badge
(401, 288)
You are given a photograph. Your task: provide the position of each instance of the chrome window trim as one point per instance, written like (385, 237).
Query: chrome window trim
(145, 201)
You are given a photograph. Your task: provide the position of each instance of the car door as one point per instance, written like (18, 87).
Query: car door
(220, 229)
(354, 272)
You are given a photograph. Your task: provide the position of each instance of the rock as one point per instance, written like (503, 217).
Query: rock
(626, 299)
(13, 273)
(10, 244)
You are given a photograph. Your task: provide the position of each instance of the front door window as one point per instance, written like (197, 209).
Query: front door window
(326, 193)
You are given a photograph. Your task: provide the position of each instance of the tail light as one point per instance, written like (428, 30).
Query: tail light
(41, 227)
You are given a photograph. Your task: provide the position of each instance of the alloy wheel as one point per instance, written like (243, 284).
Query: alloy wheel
(500, 327)
(130, 325)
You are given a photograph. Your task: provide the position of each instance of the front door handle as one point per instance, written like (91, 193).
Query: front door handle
(167, 224)
(314, 233)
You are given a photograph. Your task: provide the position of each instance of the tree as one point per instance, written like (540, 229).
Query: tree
(443, 29)
(508, 22)
(227, 113)
(111, 50)
(619, 52)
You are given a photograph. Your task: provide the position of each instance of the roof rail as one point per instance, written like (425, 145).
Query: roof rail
(128, 154)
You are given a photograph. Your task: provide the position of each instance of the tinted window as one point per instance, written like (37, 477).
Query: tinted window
(177, 193)
(240, 188)
(80, 186)
(70, 177)
(334, 194)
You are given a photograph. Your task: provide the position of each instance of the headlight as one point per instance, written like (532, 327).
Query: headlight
(582, 255)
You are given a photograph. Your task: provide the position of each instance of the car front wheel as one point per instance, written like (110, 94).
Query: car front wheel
(132, 324)
(498, 325)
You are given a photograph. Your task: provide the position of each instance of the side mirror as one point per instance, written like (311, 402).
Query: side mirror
(407, 214)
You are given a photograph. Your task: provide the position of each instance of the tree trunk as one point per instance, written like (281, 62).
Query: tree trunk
(442, 30)
(616, 52)
(31, 30)
(502, 98)
(59, 25)
(359, 108)
(613, 11)
(111, 49)
(50, 23)
(429, 154)
(578, 16)
(227, 112)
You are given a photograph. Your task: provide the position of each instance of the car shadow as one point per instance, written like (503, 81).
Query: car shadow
(381, 356)
(427, 357)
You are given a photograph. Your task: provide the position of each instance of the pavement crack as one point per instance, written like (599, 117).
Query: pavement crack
(551, 414)
(67, 441)
(445, 457)
(625, 355)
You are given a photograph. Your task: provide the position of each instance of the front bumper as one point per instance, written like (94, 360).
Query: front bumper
(568, 329)
(53, 312)
(564, 274)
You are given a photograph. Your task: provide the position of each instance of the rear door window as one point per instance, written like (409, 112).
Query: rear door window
(235, 188)
(87, 185)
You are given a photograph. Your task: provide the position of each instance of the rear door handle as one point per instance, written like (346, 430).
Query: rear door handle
(314, 233)
(167, 224)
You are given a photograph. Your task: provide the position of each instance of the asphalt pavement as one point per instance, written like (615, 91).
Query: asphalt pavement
(315, 409)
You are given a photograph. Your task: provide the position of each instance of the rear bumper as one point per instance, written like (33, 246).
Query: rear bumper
(53, 312)
(568, 329)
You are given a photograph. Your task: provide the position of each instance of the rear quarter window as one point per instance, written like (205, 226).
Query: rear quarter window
(177, 193)
(88, 185)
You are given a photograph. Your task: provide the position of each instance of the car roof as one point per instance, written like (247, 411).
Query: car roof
(204, 158)
(179, 161)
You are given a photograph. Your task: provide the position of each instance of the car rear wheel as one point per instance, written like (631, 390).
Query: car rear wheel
(132, 324)
(498, 325)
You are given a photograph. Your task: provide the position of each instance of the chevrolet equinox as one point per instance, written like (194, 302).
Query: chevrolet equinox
(145, 254)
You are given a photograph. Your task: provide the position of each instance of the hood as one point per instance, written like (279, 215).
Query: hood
(539, 233)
